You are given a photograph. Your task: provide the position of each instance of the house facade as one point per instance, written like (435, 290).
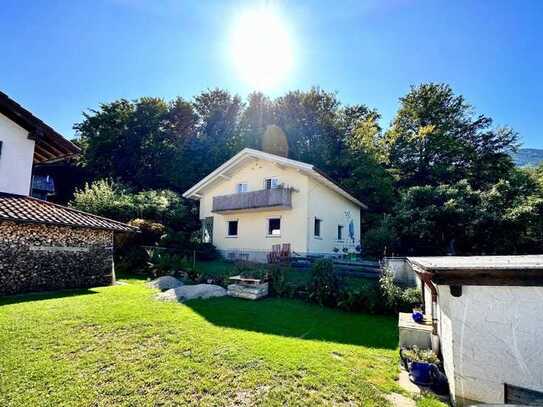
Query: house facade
(44, 246)
(256, 200)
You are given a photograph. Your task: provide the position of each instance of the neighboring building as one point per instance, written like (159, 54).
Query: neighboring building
(26, 140)
(44, 246)
(488, 313)
(256, 200)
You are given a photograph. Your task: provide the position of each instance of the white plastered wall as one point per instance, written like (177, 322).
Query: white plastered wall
(252, 226)
(15, 158)
(333, 209)
(491, 335)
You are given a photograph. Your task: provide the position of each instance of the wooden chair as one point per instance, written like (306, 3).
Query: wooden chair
(273, 256)
(285, 252)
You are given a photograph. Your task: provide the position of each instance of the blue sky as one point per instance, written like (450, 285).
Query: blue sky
(59, 58)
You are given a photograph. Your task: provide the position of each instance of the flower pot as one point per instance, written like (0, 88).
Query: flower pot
(417, 316)
(419, 373)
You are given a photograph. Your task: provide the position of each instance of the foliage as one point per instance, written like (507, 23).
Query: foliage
(277, 281)
(396, 298)
(206, 251)
(416, 354)
(162, 263)
(324, 286)
(439, 164)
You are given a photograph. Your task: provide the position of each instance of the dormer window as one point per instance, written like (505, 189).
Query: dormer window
(271, 183)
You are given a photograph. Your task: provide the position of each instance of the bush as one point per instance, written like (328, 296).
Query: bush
(277, 281)
(324, 286)
(206, 252)
(162, 263)
(396, 298)
(366, 299)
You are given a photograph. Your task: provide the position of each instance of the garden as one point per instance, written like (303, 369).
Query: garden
(118, 345)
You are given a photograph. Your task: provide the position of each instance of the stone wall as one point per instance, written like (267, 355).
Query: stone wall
(38, 257)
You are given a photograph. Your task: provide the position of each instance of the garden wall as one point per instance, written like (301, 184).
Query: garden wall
(38, 257)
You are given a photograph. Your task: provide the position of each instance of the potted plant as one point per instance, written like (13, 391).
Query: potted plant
(417, 314)
(420, 363)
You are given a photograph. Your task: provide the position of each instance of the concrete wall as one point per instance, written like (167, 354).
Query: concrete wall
(491, 336)
(35, 257)
(15, 158)
(333, 209)
(252, 225)
(401, 270)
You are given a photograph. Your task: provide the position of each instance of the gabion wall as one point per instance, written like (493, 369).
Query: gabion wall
(39, 257)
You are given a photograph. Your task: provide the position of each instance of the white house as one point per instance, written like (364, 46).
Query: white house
(488, 314)
(24, 141)
(256, 200)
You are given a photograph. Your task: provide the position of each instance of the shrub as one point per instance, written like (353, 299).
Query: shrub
(277, 281)
(324, 286)
(366, 299)
(162, 263)
(206, 252)
(396, 298)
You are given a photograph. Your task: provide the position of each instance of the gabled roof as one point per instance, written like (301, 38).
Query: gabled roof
(249, 153)
(25, 209)
(50, 145)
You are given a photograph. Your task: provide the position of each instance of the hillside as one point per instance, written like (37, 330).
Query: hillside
(528, 157)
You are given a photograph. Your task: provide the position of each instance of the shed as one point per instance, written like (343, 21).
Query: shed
(488, 314)
(44, 246)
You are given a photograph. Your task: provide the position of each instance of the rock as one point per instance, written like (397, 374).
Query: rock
(165, 283)
(189, 292)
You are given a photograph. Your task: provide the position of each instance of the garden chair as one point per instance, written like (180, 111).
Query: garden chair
(285, 252)
(273, 256)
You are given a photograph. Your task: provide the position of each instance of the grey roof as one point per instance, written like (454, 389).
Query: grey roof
(478, 263)
(19, 208)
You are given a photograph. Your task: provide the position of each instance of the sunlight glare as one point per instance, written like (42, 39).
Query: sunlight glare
(261, 49)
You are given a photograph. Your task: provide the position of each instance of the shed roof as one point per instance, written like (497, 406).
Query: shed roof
(481, 270)
(470, 263)
(25, 209)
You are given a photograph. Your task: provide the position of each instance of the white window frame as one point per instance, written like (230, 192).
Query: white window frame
(342, 233)
(228, 235)
(240, 184)
(272, 181)
(268, 226)
(315, 219)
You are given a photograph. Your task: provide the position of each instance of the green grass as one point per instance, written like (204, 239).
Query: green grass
(118, 346)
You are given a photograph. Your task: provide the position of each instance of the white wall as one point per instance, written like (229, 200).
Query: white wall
(491, 336)
(252, 225)
(16, 158)
(333, 209)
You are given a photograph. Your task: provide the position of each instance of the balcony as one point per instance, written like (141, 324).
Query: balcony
(266, 199)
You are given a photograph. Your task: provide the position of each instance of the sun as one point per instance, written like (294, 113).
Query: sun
(261, 48)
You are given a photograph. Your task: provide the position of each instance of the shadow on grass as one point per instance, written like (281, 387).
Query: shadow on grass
(44, 295)
(296, 319)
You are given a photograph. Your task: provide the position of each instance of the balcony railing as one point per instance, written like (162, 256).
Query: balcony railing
(264, 199)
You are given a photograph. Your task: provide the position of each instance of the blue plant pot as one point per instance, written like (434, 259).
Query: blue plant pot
(419, 373)
(417, 316)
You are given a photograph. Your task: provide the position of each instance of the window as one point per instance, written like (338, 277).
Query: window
(232, 228)
(339, 232)
(274, 227)
(270, 183)
(317, 227)
(242, 187)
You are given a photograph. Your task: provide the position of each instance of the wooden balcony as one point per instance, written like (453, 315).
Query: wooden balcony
(265, 199)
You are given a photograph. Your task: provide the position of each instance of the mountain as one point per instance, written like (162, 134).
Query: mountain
(528, 157)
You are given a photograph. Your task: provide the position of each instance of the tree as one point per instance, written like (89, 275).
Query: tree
(436, 139)
(139, 143)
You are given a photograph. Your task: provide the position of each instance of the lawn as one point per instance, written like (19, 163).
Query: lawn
(117, 345)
